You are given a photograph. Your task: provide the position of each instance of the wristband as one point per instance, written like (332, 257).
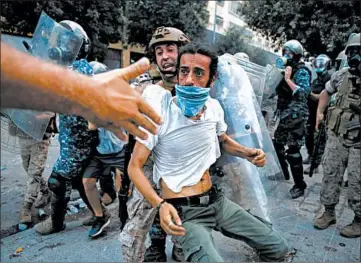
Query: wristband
(159, 205)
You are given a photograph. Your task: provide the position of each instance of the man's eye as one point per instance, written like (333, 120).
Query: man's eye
(183, 71)
(199, 73)
(159, 53)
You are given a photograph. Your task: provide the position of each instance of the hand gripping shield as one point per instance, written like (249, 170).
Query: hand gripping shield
(51, 42)
(244, 183)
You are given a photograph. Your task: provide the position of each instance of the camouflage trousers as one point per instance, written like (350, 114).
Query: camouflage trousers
(141, 216)
(34, 154)
(336, 159)
(142, 220)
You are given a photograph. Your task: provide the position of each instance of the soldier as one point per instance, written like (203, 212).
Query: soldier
(163, 49)
(293, 94)
(242, 55)
(77, 144)
(343, 144)
(339, 59)
(34, 154)
(322, 66)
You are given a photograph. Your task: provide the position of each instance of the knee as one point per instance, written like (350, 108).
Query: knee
(294, 153)
(89, 184)
(56, 184)
(277, 251)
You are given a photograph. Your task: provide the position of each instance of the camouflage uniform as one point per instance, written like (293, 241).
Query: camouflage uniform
(34, 154)
(293, 110)
(343, 144)
(77, 144)
(142, 216)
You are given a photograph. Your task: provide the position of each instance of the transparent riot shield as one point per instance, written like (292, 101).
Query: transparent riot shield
(51, 42)
(243, 182)
(256, 74)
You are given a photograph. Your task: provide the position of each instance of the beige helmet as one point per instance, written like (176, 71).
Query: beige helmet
(168, 34)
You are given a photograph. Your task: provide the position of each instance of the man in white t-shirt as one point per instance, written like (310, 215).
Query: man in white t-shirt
(186, 145)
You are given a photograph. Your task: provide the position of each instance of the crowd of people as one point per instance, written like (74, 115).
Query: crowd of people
(161, 175)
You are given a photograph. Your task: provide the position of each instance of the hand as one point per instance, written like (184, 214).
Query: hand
(257, 157)
(118, 105)
(288, 72)
(319, 119)
(168, 215)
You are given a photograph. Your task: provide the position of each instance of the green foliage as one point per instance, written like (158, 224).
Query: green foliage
(236, 41)
(321, 26)
(109, 21)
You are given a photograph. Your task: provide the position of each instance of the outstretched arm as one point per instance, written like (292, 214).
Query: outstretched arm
(106, 99)
(230, 146)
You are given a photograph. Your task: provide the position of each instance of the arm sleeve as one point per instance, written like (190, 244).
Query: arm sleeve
(302, 80)
(221, 124)
(159, 99)
(331, 85)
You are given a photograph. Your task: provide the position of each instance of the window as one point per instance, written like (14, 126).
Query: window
(113, 58)
(134, 57)
(220, 2)
(219, 21)
(235, 8)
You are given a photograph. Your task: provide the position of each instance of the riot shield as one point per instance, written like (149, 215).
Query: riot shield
(54, 43)
(256, 74)
(244, 183)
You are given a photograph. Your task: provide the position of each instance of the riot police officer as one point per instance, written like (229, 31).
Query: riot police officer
(322, 66)
(77, 144)
(343, 143)
(293, 92)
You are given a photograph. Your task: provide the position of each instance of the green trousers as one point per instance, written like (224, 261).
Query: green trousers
(232, 221)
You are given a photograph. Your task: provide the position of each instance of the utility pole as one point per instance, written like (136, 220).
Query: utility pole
(214, 23)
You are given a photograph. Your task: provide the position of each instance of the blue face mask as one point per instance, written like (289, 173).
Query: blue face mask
(191, 99)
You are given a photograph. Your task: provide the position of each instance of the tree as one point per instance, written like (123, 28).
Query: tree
(321, 26)
(98, 18)
(109, 21)
(146, 15)
(236, 40)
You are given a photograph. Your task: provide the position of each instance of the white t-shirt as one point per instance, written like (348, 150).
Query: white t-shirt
(183, 149)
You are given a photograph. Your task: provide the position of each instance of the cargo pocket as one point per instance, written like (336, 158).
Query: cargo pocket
(334, 120)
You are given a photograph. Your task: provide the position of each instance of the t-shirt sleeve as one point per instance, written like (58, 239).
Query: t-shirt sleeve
(332, 85)
(158, 98)
(221, 124)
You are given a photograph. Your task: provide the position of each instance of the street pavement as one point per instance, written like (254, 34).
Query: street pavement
(292, 218)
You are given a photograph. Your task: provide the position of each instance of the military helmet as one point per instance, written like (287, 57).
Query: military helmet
(168, 34)
(241, 55)
(321, 63)
(293, 46)
(98, 67)
(78, 30)
(341, 55)
(353, 40)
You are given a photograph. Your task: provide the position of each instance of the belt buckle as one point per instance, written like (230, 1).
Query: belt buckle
(204, 200)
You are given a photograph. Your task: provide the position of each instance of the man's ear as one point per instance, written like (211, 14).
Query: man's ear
(213, 80)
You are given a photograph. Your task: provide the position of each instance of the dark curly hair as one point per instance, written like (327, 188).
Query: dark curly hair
(203, 49)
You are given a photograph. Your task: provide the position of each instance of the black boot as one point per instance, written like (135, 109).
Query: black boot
(281, 154)
(156, 252)
(294, 158)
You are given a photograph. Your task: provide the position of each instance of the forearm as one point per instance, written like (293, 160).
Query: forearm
(29, 83)
(314, 97)
(143, 185)
(291, 84)
(231, 147)
(323, 102)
